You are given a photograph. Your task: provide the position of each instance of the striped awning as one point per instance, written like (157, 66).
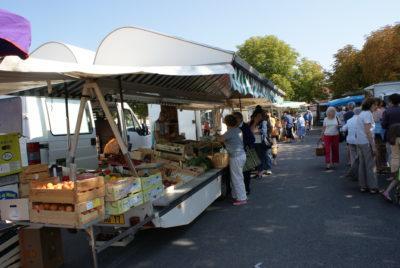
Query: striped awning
(247, 85)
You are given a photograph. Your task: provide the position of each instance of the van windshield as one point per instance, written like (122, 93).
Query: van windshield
(57, 116)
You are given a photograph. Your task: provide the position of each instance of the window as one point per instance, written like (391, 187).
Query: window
(130, 121)
(57, 116)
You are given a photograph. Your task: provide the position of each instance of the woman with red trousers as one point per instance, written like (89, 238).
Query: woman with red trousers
(330, 137)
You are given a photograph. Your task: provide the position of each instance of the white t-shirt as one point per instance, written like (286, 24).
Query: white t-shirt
(301, 122)
(351, 128)
(331, 126)
(365, 117)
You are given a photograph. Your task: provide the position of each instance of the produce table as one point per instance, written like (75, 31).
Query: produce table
(172, 198)
(162, 206)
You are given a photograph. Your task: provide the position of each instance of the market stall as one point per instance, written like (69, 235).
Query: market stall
(169, 185)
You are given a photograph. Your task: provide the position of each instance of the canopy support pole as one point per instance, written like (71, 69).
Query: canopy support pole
(67, 119)
(122, 115)
(75, 139)
(113, 126)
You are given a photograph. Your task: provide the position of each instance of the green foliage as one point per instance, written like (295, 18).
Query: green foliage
(277, 61)
(269, 55)
(140, 109)
(308, 81)
(347, 74)
(283, 83)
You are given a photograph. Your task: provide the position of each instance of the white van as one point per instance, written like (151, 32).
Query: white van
(43, 120)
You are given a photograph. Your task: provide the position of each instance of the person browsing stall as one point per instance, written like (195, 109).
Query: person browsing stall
(233, 140)
(248, 143)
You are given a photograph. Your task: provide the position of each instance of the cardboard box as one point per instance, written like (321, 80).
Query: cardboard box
(9, 179)
(151, 181)
(9, 191)
(121, 188)
(41, 247)
(153, 193)
(10, 155)
(123, 205)
(15, 209)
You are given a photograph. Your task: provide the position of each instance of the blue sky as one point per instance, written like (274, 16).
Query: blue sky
(315, 28)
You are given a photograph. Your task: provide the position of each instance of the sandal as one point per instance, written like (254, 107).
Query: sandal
(386, 197)
(363, 190)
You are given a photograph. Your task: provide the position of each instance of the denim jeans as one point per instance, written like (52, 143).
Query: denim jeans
(268, 164)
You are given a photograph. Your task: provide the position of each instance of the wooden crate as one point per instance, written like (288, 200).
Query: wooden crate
(34, 172)
(35, 169)
(84, 190)
(83, 213)
(24, 187)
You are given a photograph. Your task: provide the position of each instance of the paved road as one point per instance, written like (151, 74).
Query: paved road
(301, 216)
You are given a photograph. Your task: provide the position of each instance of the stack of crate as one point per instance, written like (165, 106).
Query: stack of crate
(72, 204)
(123, 194)
(32, 173)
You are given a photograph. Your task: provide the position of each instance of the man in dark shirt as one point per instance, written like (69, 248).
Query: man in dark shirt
(289, 123)
(248, 142)
(349, 114)
(392, 114)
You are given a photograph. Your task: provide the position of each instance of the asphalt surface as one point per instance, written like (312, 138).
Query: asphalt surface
(301, 216)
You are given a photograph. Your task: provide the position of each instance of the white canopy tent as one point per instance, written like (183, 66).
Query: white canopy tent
(141, 64)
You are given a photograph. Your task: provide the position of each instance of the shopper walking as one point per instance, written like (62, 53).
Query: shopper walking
(330, 136)
(289, 123)
(308, 117)
(233, 140)
(351, 128)
(366, 149)
(248, 143)
(301, 127)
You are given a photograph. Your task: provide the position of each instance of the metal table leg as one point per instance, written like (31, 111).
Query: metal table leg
(92, 243)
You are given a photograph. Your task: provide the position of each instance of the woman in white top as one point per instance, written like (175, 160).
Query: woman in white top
(330, 136)
(366, 147)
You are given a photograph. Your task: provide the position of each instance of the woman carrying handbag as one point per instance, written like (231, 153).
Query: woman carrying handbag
(330, 137)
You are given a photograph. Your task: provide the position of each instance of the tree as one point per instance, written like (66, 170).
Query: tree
(380, 56)
(272, 57)
(140, 109)
(347, 73)
(308, 81)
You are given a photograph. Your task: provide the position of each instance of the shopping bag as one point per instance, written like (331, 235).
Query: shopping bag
(252, 160)
(320, 150)
(342, 136)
